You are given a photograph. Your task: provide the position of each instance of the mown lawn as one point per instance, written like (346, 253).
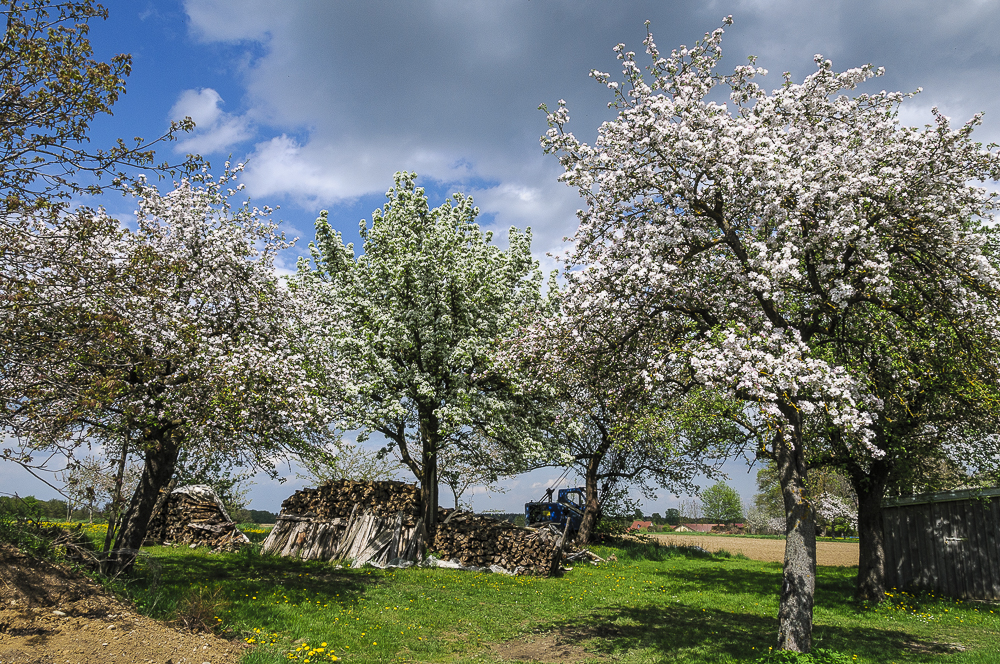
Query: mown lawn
(653, 605)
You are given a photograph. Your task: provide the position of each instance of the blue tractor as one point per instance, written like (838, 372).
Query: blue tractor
(567, 510)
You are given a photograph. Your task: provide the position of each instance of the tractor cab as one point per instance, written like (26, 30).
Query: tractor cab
(568, 509)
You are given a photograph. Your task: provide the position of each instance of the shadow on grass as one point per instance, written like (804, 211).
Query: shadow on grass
(834, 586)
(161, 580)
(677, 633)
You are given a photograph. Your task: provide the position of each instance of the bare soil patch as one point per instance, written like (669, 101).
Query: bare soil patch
(50, 614)
(551, 648)
(834, 554)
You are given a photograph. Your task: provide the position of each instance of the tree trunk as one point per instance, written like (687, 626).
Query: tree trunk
(161, 502)
(871, 543)
(161, 458)
(116, 500)
(429, 486)
(592, 505)
(798, 585)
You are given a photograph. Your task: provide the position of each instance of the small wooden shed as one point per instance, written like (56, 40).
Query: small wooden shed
(948, 543)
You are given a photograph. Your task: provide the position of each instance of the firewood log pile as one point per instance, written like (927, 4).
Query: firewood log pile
(337, 498)
(379, 523)
(195, 515)
(482, 541)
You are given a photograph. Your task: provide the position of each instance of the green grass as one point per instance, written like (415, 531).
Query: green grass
(654, 604)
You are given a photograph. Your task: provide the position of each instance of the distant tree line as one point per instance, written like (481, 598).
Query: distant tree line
(59, 509)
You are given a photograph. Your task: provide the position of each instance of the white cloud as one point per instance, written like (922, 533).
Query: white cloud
(202, 106)
(232, 20)
(215, 130)
(350, 93)
(320, 172)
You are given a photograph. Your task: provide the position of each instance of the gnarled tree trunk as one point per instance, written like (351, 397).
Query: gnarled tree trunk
(798, 584)
(871, 541)
(161, 451)
(592, 506)
(429, 488)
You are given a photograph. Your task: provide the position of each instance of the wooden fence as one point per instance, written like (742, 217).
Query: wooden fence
(948, 543)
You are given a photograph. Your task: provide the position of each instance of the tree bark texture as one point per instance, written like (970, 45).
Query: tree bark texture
(592, 505)
(798, 584)
(158, 469)
(116, 499)
(871, 540)
(429, 486)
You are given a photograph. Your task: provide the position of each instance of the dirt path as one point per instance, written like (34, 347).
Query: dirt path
(835, 554)
(49, 614)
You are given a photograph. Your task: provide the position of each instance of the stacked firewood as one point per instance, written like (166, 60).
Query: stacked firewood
(376, 522)
(362, 537)
(379, 523)
(337, 498)
(195, 515)
(482, 541)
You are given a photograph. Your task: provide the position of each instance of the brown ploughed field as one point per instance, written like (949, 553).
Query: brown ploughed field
(834, 554)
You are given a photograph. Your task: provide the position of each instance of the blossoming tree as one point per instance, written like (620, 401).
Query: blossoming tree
(179, 339)
(611, 411)
(766, 223)
(416, 319)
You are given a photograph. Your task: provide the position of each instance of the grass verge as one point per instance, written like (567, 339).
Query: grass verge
(655, 603)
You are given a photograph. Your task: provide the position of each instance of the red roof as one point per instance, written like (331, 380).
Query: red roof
(636, 525)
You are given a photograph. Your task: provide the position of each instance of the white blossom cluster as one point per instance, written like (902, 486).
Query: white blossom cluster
(177, 325)
(830, 508)
(760, 226)
(416, 320)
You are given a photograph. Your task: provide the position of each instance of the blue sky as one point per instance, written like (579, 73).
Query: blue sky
(324, 100)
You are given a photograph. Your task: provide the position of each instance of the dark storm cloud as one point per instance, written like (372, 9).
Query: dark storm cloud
(354, 91)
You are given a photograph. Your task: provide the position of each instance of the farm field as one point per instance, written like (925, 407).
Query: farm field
(835, 554)
(653, 604)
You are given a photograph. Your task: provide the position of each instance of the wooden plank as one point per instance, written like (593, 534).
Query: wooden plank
(320, 535)
(412, 549)
(935, 551)
(348, 534)
(269, 541)
(940, 549)
(963, 563)
(925, 541)
(277, 538)
(297, 528)
(360, 525)
(302, 538)
(975, 565)
(366, 525)
(989, 551)
(890, 538)
(909, 561)
(375, 546)
(960, 548)
(948, 532)
(964, 547)
(983, 573)
(397, 532)
(945, 533)
(993, 546)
